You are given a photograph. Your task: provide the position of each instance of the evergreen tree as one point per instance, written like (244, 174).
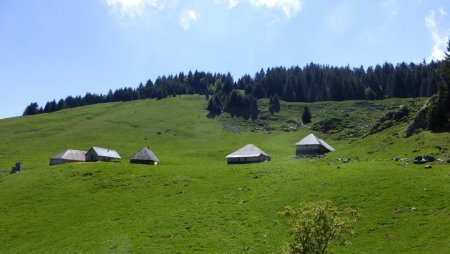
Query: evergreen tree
(299, 88)
(435, 115)
(109, 96)
(253, 107)
(248, 90)
(227, 84)
(444, 90)
(215, 105)
(244, 82)
(259, 91)
(70, 102)
(306, 117)
(335, 88)
(47, 107)
(53, 106)
(32, 109)
(61, 105)
(289, 92)
(271, 106)
(274, 104)
(439, 112)
(50, 106)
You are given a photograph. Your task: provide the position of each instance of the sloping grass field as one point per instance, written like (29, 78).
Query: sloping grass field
(193, 202)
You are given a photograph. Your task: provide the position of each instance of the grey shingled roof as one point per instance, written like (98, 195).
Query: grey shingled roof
(313, 140)
(74, 155)
(103, 152)
(145, 154)
(249, 150)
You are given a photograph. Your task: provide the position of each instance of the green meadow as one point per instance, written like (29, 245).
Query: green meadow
(193, 202)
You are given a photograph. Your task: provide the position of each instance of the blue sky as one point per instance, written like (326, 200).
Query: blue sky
(50, 49)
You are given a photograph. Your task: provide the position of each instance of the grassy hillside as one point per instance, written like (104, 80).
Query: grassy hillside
(193, 202)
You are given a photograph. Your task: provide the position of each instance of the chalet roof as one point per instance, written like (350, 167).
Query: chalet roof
(249, 150)
(75, 155)
(313, 140)
(145, 154)
(104, 152)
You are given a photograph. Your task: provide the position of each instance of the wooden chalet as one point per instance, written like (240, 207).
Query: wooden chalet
(145, 156)
(311, 146)
(247, 154)
(68, 156)
(102, 154)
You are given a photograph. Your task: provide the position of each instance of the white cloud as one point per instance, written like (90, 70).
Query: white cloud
(232, 3)
(187, 17)
(131, 9)
(438, 35)
(289, 7)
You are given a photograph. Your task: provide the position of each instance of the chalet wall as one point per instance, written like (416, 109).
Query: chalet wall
(144, 162)
(310, 150)
(92, 156)
(56, 161)
(62, 161)
(243, 160)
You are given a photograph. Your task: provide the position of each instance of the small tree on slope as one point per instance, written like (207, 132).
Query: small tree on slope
(306, 117)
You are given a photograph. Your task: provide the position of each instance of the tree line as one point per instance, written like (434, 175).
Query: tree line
(316, 82)
(313, 82)
(192, 83)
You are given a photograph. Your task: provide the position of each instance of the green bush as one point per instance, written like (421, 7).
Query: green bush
(315, 225)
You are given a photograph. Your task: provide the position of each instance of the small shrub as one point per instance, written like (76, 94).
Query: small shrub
(315, 225)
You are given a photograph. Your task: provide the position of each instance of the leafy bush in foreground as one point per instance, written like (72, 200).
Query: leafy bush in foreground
(315, 225)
